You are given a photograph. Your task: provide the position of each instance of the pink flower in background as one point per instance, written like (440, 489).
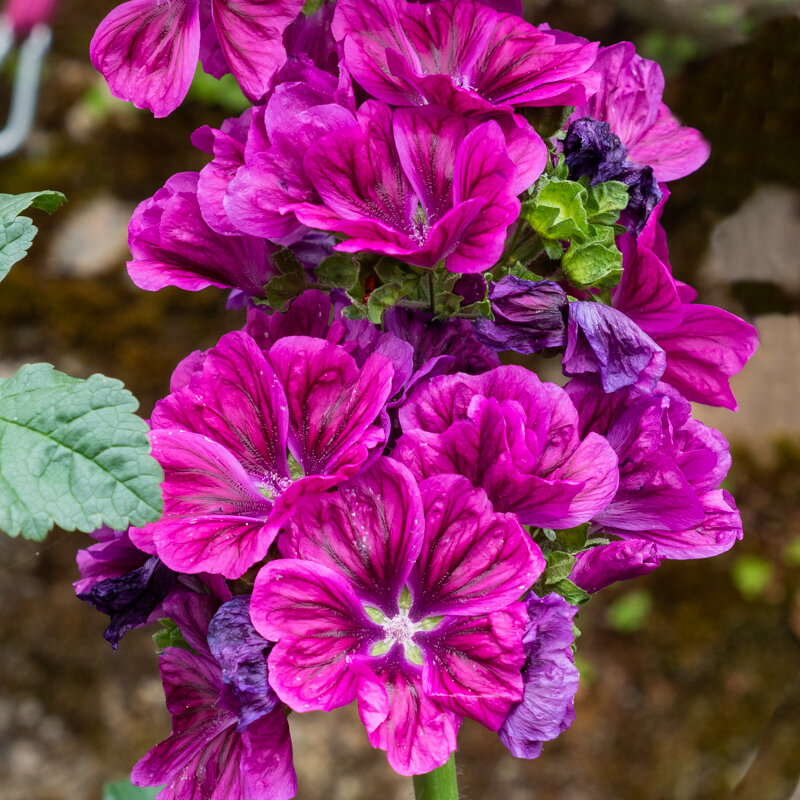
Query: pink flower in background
(148, 50)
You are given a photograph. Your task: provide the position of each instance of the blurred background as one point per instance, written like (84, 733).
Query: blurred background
(689, 677)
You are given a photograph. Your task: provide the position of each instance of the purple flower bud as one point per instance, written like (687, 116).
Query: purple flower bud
(591, 149)
(644, 194)
(528, 316)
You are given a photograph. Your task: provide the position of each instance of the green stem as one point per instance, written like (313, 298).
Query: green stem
(440, 784)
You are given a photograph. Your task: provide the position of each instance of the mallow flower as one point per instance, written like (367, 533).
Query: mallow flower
(671, 467)
(420, 184)
(629, 100)
(704, 345)
(403, 596)
(461, 54)
(515, 437)
(147, 50)
(230, 736)
(245, 432)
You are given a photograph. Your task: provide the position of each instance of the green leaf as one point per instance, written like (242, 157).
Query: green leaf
(573, 540)
(557, 211)
(559, 566)
(338, 271)
(596, 263)
(629, 613)
(125, 790)
(571, 593)
(289, 284)
(605, 202)
(310, 6)
(169, 635)
(73, 454)
(548, 121)
(17, 233)
(388, 295)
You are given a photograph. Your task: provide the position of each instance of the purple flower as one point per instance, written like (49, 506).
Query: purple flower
(516, 438)
(629, 100)
(460, 54)
(549, 676)
(404, 597)
(602, 340)
(704, 345)
(670, 469)
(591, 150)
(25, 15)
(122, 581)
(214, 751)
(172, 245)
(248, 434)
(147, 50)
(420, 184)
(529, 316)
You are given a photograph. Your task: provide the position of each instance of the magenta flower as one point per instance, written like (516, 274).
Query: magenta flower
(515, 437)
(420, 184)
(248, 434)
(223, 743)
(172, 245)
(148, 50)
(460, 54)
(629, 100)
(671, 467)
(704, 345)
(257, 165)
(550, 678)
(405, 598)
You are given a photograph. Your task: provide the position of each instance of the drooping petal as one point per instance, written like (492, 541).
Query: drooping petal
(318, 624)
(147, 51)
(705, 351)
(550, 678)
(473, 665)
(473, 559)
(417, 733)
(370, 531)
(242, 655)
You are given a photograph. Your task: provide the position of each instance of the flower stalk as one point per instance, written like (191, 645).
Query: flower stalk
(438, 784)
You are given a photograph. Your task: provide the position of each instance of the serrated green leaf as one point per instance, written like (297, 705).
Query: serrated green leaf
(596, 263)
(337, 271)
(553, 248)
(355, 311)
(73, 454)
(571, 593)
(17, 233)
(559, 566)
(605, 201)
(283, 288)
(125, 790)
(388, 295)
(557, 211)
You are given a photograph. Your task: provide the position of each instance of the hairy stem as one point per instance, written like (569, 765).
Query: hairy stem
(439, 784)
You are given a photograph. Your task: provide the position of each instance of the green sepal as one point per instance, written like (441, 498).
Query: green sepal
(169, 636)
(573, 540)
(557, 211)
(17, 233)
(573, 594)
(594, 263)
(559, 566)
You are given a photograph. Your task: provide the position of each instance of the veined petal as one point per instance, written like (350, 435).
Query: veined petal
(147, 51)
(473, 559)
(473, 665)
(318, 624)
(370, 531)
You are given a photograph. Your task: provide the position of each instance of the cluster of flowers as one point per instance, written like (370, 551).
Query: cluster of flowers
(361, 503)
